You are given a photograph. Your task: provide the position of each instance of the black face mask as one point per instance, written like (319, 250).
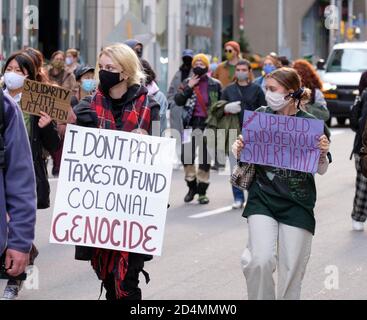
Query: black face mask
(139, 53)
(187, 61)
(200, 71)
(108, 80)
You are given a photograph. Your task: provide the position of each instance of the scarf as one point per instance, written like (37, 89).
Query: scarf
(135, 115)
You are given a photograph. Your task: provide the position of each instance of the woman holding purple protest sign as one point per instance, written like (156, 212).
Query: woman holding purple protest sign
(280, 208)
(120, 103)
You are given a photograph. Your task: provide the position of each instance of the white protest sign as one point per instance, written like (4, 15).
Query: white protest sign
(113, 190)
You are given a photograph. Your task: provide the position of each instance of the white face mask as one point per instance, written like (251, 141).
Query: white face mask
(276, 101)
(13, 81)
(69, 61)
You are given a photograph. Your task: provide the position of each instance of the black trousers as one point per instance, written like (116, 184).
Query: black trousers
(199, 141)
(130, 285)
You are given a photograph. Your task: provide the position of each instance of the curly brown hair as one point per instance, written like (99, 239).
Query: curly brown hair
(308, 74)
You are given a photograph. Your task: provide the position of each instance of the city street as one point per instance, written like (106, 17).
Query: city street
(203, 245)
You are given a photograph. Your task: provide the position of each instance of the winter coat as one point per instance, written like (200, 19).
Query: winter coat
(17, 184)
(363, 153)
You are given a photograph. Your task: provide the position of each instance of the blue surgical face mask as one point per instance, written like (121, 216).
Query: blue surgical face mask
(242, 76)
(268, 68)
(89, 85)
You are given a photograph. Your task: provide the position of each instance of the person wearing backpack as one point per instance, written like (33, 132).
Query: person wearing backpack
(17, 189)
(357, 123)
(42, 135)
(197, 95)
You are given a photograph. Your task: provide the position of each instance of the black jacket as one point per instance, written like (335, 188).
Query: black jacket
(361, 125)
(46, 139)
(214, 90)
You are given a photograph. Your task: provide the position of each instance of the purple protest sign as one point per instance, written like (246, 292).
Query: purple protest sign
(282, 141)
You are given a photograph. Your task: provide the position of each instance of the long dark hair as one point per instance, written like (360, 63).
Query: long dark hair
(39, 61)
(25, 62)
(149, 72)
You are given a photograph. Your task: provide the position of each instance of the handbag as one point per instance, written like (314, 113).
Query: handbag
(243, 176)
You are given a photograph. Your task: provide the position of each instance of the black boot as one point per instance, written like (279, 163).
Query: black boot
(193, 190)
(202, 188)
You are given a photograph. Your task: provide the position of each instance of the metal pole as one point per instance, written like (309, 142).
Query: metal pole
(339, 4)
(332, 34)
(350, 13)
(280, 26)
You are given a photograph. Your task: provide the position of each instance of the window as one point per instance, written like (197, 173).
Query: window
(348, 60)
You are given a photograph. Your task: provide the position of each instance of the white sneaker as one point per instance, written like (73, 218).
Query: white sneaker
(237, 205)
(11, 292)
(357, 226)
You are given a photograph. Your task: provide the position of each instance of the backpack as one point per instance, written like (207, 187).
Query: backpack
(2, 131)
(356, 112)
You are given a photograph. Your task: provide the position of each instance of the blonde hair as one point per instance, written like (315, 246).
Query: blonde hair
(123, 56)
(73, 52)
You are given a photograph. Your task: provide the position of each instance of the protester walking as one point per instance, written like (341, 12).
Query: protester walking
(175, 111)
(72, 60)
(17, 189)
(242, 95)
(156, 93)
(87, 84)
(42, 135)
(58, 75)
(270, 64)
(137, 46)
(358, 122)
(199, 93)
(280, 208)
(120, 103)
(311, 80)
(225, 72)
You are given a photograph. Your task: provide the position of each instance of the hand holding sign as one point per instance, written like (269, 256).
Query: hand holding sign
(44, 121)
(39, 97)
(292, 143)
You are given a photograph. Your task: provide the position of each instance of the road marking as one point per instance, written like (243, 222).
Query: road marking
(211, 213)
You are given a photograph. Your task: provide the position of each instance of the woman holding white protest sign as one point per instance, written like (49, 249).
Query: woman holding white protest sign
(280, 208)
(121, 103)
(42, 133)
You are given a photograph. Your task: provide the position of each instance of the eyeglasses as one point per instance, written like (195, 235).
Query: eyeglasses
(228, 51)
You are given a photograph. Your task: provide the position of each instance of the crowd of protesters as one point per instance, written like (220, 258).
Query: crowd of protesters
(203, 95)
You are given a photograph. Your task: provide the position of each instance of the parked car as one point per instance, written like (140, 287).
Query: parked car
(341, 75)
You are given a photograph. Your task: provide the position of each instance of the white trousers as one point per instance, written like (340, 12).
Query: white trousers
(271, 244)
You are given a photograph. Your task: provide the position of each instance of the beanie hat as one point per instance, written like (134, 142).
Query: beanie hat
(235, 45)
(203, 58)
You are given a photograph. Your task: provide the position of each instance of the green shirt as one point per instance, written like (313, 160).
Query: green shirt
(287, 196)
